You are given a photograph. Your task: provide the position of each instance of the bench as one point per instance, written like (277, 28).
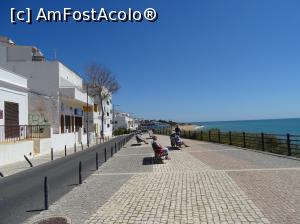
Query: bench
(158, 154)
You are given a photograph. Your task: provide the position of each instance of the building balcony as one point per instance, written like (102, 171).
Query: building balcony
(74, 94)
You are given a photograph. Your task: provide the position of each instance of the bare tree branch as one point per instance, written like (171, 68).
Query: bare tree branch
(101, 83)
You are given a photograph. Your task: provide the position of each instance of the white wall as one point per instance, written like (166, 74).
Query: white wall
(43, 82)
(3, 54)
(68, 77)
(14, 93)
(42, 76)
(13, 152)
(12, 78)
(60, 140)
(19, 53)
(121, 122)
(42, 146)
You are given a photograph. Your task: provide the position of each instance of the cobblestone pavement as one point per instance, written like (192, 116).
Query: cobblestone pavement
(276, 192)
(183, 190)
(205, 183)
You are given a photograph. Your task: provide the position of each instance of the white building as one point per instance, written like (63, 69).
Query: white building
(13, 117)
(108, 115)
(57, 96)
(13, 103)
(124, 120)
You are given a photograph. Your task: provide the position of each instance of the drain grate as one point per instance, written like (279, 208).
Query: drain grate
(54, 220)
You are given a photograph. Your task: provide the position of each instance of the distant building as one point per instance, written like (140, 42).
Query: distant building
(153, 125)
(125, 120)
(108, 116)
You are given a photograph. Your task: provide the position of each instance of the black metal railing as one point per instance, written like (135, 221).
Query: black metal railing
(285, 144)
(12, 133)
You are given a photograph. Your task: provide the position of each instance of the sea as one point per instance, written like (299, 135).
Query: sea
(270, 126)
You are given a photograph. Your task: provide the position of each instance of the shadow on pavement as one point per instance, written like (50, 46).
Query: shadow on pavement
(173, 148)
(36, 210)
(151, 161)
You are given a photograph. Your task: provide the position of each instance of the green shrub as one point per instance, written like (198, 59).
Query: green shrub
(121, 131)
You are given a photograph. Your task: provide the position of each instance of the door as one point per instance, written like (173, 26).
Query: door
(11, 120)
(62, 124)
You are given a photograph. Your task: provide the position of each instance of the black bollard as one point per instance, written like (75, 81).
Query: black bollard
(65, 150)
(81, 146)
(115, 147)
(75, 147)
(97, 163)
(80, 176)
(105, 158)
(28, 161)
(51, 153)
(111, 151)
(46, 204)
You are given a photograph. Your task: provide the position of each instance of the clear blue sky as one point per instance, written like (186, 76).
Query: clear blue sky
(201, 60)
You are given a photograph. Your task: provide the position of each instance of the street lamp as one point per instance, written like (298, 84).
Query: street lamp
(87, 116)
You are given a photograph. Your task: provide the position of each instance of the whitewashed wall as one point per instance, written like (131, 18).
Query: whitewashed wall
(13, 152)
(8, 83)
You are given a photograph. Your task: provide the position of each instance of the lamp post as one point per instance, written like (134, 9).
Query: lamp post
(87, 116)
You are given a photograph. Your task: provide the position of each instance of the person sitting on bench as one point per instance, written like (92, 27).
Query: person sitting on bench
(150, 132)
(139, 139)
(159, 149)
(179, 142)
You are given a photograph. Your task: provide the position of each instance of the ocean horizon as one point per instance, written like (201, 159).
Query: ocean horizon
(272, 126)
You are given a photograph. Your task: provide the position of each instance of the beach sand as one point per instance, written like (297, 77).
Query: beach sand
(189, 127)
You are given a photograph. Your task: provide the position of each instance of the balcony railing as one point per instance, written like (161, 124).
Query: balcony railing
(13, 133)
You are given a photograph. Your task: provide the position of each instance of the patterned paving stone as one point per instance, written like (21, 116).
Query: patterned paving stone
(243, 159)
(204, 183)
(220, 161)
(276, 193)
(182, 190)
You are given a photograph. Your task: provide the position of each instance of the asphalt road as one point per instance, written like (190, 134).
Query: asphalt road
(22, 194)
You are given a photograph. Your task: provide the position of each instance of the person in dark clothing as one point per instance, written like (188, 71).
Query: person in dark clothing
(177, 130)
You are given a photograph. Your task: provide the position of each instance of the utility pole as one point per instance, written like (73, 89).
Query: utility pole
(87, 116)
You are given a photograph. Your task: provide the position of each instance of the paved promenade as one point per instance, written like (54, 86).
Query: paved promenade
(205, 183)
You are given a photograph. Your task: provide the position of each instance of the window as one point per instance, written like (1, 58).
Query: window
(116, 122)
(72, 124)
(107, 114)
(95, 107)
(107, 102)
(108, 125)
(78, 123)
(62, 124)
(68, 122)
(11, 113)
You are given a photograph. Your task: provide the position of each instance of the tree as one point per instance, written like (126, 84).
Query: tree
(101, 84)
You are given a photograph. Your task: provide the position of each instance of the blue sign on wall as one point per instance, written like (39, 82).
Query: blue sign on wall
(78, 112)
